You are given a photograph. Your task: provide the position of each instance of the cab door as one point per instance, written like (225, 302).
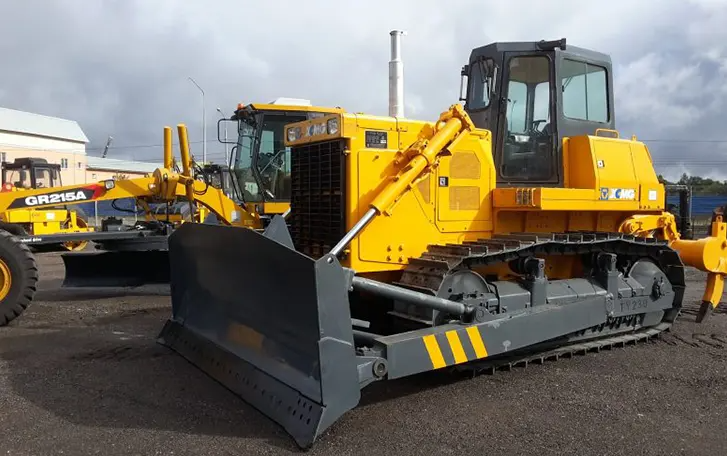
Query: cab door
(526, 138)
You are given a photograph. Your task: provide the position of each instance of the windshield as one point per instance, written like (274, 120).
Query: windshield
(21, 178)
(18, 178)
(267, 176)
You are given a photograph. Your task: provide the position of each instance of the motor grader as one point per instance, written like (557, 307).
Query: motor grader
(33, 173)
(18, 268)
(518, 228)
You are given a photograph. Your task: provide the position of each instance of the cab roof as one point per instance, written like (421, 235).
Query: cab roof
(290, 104)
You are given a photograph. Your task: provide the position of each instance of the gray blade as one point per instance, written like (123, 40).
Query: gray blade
(267, 322)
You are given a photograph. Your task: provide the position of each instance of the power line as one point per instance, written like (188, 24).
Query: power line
(157, 160)
(142, 146)
(708, 141)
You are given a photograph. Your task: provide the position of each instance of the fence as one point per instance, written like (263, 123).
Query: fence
(702, 207)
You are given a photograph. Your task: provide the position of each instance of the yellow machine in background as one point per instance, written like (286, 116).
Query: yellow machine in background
(18, 269)
(518, 228)
(178, 212)
(36, 173)
(258, 179)
(260, 160)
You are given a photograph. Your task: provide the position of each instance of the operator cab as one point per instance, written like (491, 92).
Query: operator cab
(532, 95)
(260, 162)
(30, 173)
(218, 176)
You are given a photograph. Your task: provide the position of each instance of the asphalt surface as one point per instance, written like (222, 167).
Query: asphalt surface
(81, 373)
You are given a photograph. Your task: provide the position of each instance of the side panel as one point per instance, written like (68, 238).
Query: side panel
(615, 169)
(387, 239)
(652, 191)
(464, 183)
(620, 170)
(390, 240)
(579, 163)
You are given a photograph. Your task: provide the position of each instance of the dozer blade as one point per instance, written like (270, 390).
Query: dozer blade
(269, 323)
(116, 269)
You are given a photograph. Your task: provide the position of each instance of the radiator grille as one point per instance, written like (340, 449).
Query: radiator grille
(317, 207)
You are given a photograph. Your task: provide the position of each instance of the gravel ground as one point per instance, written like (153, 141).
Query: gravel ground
(80, 373)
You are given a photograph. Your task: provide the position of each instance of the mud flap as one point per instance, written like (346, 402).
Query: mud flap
(116, 269)
(270, 324)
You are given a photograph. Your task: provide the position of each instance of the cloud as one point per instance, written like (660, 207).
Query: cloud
(120, 68)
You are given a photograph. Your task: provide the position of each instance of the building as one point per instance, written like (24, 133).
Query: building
(24, 134)
(98, 168)
(61, 141)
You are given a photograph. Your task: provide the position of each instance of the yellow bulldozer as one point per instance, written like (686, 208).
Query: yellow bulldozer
(516, 228)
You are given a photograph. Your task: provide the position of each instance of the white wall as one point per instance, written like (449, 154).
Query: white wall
(15, 145)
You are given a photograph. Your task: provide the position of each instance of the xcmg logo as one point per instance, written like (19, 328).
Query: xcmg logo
(54, 198)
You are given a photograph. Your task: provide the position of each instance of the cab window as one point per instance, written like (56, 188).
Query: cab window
(585, 92)
(43, 178)
(480, 84)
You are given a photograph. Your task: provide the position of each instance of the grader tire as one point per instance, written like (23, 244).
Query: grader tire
(18, 277)
(81, 222)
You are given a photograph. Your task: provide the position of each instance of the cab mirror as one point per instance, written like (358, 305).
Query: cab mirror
(227, 131)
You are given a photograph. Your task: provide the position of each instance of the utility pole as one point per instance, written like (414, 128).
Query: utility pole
(204, 123)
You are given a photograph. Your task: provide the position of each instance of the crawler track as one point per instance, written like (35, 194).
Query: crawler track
(427, 273)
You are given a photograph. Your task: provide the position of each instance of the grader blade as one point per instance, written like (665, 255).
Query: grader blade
(267, 322)
(116, 269)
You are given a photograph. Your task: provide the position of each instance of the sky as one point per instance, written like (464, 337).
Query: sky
(121, 67)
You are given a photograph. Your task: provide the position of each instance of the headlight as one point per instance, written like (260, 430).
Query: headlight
(332, 126)
(293, 134)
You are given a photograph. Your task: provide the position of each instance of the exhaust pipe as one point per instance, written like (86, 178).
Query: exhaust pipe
(396, 76)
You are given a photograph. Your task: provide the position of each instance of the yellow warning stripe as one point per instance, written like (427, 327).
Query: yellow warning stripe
(477, 343)
(435, 354)
(455, 344)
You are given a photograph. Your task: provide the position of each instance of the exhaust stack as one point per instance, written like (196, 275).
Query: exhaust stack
(396, 76)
